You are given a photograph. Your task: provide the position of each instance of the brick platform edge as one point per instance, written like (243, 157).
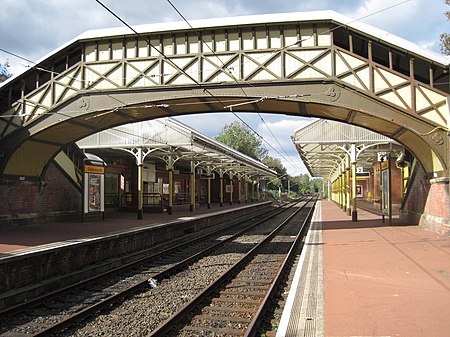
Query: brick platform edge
(436, 215)
(33, 273)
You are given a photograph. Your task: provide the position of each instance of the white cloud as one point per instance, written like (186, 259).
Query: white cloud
(406, 19)
(33, 28)
(283, 128)
(209, 124)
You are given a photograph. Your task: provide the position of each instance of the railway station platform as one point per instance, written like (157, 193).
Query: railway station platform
(369, 278)
(27, 237)
(36, 259)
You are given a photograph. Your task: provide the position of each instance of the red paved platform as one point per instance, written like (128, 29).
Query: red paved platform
(16, 237)
(382, 280)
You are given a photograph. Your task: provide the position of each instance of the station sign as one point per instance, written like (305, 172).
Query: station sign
(94, 169)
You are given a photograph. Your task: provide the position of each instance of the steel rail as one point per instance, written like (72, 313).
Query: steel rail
(259, 316)
(168, 325)
(114, 298)
(35, 301)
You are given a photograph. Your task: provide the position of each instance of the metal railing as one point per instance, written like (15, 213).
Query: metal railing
(149, 200)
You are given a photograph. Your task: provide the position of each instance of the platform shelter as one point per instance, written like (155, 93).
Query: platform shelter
(174, 166)
(356, 163)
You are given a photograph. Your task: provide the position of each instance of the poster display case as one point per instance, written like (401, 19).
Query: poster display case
(93, 186)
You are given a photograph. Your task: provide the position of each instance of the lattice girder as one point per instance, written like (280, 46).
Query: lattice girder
(300, 66)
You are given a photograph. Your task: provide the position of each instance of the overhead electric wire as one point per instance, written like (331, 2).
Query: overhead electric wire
(245, 82)
(243, 91)
(15, 55)
(157, 50)
(190, 77)
(65, 114)
(210, 49)
(149, 43)
(179, 69)
(281, 146)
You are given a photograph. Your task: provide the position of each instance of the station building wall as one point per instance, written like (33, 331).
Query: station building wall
(27, 201)
(374, 185)
(181, 180)
(56, 198)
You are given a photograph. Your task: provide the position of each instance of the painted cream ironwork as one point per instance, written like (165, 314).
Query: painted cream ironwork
(308, 64)
(116, 72)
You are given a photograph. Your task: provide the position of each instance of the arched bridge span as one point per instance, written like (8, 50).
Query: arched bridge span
(305, 64)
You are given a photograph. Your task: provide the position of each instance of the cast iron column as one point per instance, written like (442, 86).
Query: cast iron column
(139, 162)
(231, 187)
(353, 162)
(208, 172)
(221, 187)
(170, 169)
(192, 187)
(347, 186)
(239, 189)
(246, 188)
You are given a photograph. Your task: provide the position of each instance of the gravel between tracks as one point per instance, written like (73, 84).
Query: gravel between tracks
(141, 314)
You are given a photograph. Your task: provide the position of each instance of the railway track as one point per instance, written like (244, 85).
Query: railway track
(55, 313)
(236, 303)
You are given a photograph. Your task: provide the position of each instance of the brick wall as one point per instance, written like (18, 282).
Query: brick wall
(33, 201)
(436, 215)
(396, 183)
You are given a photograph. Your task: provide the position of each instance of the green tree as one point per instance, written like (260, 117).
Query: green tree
(445, 37)
(316, 185)
(301, 184)
(237, 136)
(4, 74)
(276, 165)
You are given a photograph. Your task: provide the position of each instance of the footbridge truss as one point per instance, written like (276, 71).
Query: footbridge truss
(306, 64)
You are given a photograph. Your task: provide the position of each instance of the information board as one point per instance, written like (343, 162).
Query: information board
(94, 189)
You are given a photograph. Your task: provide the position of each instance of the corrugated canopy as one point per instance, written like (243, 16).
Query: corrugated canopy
(166, 137)
(322, 145)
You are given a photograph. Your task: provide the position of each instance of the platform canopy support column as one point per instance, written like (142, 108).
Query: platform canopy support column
(208, 173)
(341, 195)
(239, 188)
(139, 154)
(347, 185)
(257, 190)
(353, 163)
(192, 187)
(329, 190)
(230, 174)
(170, 170)
(344, 186)
(221, 187)
(246, 178)
(389, 164)
(139, 162)
(253, 190)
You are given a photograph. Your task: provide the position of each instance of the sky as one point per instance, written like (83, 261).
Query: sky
(34, 28)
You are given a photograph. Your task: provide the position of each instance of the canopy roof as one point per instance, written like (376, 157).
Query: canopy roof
(325, 15)
(323, 146)
(161, 138)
